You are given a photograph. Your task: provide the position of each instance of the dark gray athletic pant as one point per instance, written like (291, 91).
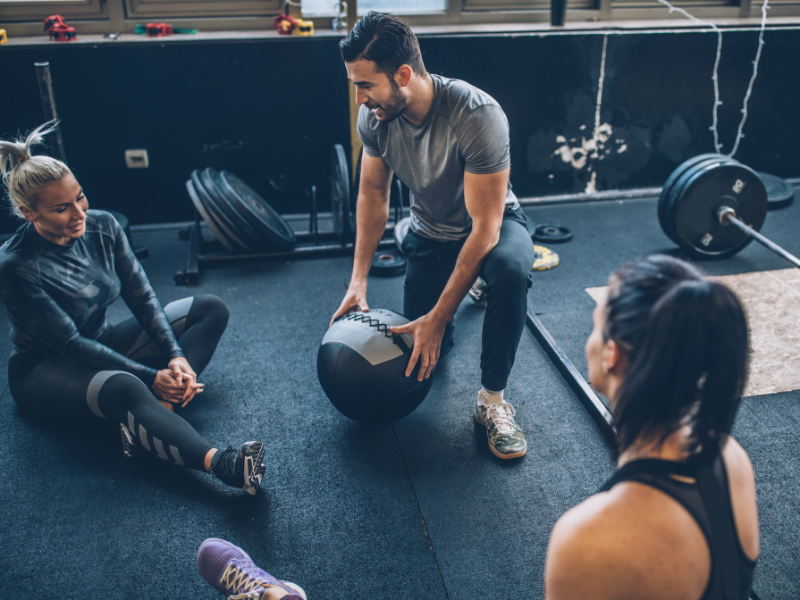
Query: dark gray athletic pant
(507, 273)
(57, 388)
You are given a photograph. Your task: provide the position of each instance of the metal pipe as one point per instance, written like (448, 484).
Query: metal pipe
(591, 402)
(298, 252)
(49, 106)
(727, 216)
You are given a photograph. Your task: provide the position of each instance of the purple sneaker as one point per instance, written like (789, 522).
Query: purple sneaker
(230, 571)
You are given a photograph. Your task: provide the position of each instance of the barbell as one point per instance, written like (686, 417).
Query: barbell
(713, 206)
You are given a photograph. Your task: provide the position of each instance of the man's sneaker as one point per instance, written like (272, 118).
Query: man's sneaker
(240, 468)
(129, 447)
(230, 571)
(477, 293)
(506, 439)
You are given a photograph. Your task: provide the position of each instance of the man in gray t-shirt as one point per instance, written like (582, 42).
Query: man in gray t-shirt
(448, 142)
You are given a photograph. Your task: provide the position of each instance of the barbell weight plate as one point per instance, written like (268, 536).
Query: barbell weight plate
(551, 233)
(213, 192)
(242, 239)
(679, 186)
(544, 258)
(223, 222)
(697, 226)
(340, 194)
(780, 193)
(270, 227)
(673, 177)
(388, 262)
(212, 225)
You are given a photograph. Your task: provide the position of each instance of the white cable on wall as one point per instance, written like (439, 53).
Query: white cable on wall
(739, 134)
(715, 73)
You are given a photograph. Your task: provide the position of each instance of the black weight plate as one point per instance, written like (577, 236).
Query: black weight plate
(223, 222)
(209, 181)
(340, 194)
(780, 193)
(697, 225)
(388, 263)
(230, 219)
(551, 233)
(212, 225)
(680, 186)
(679, 170)
(256, 211)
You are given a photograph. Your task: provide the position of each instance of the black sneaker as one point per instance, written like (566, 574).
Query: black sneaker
(129, 447)
(240, 468)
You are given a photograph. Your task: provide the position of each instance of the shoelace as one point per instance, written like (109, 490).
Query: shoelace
(237, 578)
(254, 595)
(501, 416)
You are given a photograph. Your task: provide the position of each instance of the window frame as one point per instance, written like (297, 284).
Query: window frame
(23, 18)
(21, 10)
(145, 9)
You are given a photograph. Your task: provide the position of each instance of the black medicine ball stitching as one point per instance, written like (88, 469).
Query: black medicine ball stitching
(382, 327)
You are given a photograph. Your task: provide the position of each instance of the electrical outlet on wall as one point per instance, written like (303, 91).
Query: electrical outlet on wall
(137, 159)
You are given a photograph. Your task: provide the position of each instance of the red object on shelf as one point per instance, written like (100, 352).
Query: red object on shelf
(158, 29)
(62, 33)
(285, 24)
(53, 20)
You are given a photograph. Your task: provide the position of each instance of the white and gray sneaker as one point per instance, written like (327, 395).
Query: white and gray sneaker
(506, 439)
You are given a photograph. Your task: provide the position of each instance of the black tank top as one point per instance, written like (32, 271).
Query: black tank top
(708, 501)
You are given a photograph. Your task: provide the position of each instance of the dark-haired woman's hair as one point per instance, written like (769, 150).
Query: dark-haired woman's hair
(385, 40)
(686, 343)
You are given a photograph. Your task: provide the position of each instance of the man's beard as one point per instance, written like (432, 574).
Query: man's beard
(396, 104)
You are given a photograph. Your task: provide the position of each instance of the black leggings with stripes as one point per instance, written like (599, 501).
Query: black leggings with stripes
(57, 388)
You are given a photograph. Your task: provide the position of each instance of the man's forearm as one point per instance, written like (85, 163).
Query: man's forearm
(372, 213)
(468, 265)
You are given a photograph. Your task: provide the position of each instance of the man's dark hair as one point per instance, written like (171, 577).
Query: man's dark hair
(685, 338)
(385, 40)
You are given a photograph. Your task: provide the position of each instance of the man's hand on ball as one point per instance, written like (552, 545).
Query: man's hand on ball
(427, 332)
(355, 299)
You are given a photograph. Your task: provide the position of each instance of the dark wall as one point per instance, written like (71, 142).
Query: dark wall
(271, 109)
(264, 110)
(657, 99)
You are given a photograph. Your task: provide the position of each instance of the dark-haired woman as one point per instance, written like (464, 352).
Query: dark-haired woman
(678, 520)
(58, 274)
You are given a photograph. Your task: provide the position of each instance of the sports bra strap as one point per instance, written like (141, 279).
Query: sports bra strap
(724, 550)
(723, 541)
(649, 466)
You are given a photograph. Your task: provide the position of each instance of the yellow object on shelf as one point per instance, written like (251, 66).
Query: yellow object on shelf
(303, 27)
(3, 37)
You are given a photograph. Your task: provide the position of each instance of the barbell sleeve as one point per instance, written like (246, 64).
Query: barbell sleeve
(727, 216)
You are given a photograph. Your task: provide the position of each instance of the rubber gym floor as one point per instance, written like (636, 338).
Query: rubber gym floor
(416, 509)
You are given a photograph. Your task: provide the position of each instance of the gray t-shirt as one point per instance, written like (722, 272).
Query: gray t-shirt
(464, 130)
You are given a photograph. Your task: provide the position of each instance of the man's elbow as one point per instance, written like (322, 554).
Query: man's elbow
(488, 236)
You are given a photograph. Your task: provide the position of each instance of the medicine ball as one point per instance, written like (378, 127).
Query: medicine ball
(361, 366)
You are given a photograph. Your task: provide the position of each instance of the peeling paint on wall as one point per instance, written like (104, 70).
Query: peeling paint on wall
(578, 156)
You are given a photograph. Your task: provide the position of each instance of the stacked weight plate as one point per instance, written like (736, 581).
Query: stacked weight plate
(236, 214)
(688, 208)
